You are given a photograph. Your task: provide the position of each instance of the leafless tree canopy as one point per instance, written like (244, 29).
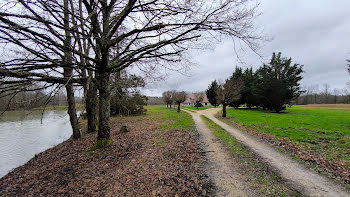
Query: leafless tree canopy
(179, 97)
(64, 41)
(168, 97)
(127, 32)
(229, 91)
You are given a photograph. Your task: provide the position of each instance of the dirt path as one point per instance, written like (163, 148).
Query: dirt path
(306, 181)
(225, 177)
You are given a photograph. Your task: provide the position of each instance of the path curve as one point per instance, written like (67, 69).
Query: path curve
(305, 180)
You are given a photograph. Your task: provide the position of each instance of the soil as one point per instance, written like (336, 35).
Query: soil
(304, 180)
(146, 161)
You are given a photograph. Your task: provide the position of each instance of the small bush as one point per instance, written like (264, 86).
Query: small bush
(128, 105)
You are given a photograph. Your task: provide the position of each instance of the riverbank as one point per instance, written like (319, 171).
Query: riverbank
(161, 155)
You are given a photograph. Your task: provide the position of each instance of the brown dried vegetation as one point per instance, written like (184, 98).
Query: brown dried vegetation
(149, 161)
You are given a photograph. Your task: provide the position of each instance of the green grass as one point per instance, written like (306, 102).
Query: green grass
(269, 180)
(225, 137)
(325, 131)
(190, 110)
(195, 108)
(170, 118)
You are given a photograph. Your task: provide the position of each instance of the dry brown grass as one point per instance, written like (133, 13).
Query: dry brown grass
(328, 106)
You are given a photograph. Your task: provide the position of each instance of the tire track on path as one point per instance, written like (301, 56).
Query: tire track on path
(305, 180)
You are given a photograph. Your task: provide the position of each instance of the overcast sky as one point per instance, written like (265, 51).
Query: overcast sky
(315, 33)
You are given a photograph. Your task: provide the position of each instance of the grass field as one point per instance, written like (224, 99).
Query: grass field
(325, 131)
(170, 118)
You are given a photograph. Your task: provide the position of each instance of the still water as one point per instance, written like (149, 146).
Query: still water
(22, 135)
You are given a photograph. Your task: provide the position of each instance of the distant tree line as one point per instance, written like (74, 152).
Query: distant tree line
(34, 98)
(324, 94)
(271, 87)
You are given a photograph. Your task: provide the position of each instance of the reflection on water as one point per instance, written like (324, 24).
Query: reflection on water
(22, 135)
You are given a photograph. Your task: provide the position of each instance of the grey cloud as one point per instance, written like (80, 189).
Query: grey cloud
(314, 33)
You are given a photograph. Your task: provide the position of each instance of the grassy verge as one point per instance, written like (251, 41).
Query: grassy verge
(190, 110)
(199, 108)
(267, 181)
(170, 118)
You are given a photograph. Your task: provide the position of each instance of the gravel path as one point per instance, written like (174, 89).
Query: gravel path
(221, 169)
(305, 180)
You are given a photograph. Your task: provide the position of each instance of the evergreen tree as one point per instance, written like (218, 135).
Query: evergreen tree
(278, 83)
(238, 75)
(212, 93)
(249, 80)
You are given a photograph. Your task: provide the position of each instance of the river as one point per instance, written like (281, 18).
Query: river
(22, 135)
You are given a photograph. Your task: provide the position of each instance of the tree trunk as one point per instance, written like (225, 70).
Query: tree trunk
(224, 110)
(71, 109)
(178, 108)
(68, 73)
(170, 105)
(315, 100)
(91, 104)
(167, 105)
(104, 105)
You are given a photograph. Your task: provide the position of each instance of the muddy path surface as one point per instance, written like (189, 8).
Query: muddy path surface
(303, 179)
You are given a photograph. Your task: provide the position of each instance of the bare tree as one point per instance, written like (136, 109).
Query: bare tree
(168, 98)
(143, 32)
(198, 98)
(316, 90)
(336, 93)
(179, 97)
(346, 93)
(326, 90)
(38, 43)
(229, 92)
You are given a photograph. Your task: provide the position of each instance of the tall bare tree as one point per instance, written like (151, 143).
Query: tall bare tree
(168, 98)
(229, 92)
(179, 97)
(326, 93)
